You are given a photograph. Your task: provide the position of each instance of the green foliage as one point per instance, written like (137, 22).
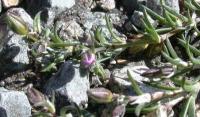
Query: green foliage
(50, 50)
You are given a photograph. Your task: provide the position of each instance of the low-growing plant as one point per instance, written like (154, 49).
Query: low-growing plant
(49, 50)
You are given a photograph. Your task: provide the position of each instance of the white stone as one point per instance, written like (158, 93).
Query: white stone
(10, 3)
(70, 82)
(14, 104)
(107, 4)
(62, 3)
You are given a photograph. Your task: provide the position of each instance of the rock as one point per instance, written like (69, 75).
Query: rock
(71, 26)
(62, 3)
(14, 104)
(97, 19)
(35, 6)
(106, 4)
(53, 3)
(174, 4)
(69, 82)
(3, 33)
(70, 29)
(128, 25)
(10, 3)
(14, 49)
(128, 5)
(17, 49)
(120, 83)
(156, 6)
(48, 15)
(137, 17)
(88, 4)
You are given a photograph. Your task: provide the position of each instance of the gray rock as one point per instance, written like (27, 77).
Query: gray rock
(14, 55)
(156, 6)
(97, 19)
(71, 82)
(129, 5)
(14, 104)
(70, 29)
(106, 4)
(13, 48)
(10, 3)
(137, 17)
(3, 33)
(48, 16)
(35, 6)
(88, 4)
(22, 55)
(129, 26)
(62, 3)
(121, 84)
(174, 4)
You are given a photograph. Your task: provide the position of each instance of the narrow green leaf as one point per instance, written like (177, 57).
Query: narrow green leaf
(169, 9)
(47, 33)
(192, 88)
(150, 29)
(146, 19)
(99, 70)
(189, 5)
(49, 67)
(164, 30)
(195, 4)
(99, 36)
(170, 22)
(134, 85)
(154, 14)
(155, 38)
(54, 36)
(192, 48)
(177, 75)
(173, 17)
(37, 23)
(192, 108)
(177, 61)
(110, 27)
(57, 37)
(165, 49)
(185, 108)
(139, 108)
(197, 30)
(160, 86)
(171, 49)
(190, 20)
(145, 110)
(62, 45)
(191, 57)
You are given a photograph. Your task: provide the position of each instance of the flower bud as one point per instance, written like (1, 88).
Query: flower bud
(119, 111)
(88, 59)
(16, 23)
(100, 95)
(35, 96)
(38, 99)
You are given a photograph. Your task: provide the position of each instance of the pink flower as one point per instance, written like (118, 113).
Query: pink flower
(88, 59)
